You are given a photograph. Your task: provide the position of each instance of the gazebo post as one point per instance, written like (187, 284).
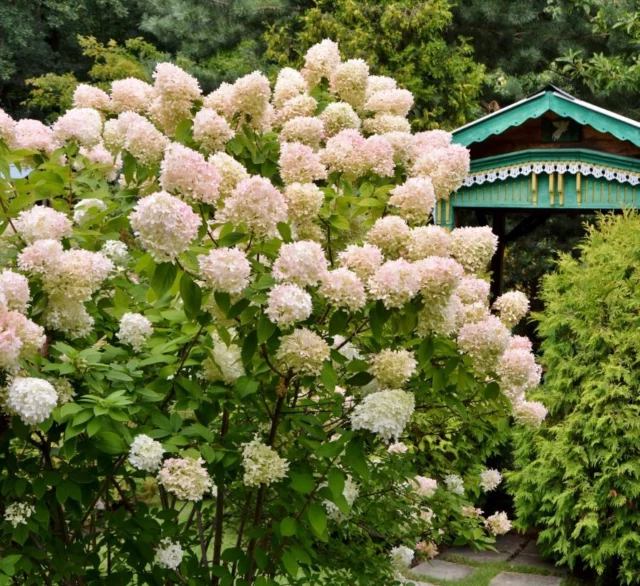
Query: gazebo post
(497, 262)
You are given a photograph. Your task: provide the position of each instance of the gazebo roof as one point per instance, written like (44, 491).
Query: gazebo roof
(549, 99)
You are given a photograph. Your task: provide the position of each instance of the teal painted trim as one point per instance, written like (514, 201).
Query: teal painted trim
(536, 106)
(533, 155)
(500, 121)
(599, 119)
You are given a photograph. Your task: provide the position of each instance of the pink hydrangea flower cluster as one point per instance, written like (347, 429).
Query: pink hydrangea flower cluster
(131, 94)
(303, 263)
(186, 172)
(300, 164)
(257, 204)
(211, 130)
(83, 125)
(164, 225)
(342, 288)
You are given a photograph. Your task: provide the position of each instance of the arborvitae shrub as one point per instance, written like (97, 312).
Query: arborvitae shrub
(577, 477)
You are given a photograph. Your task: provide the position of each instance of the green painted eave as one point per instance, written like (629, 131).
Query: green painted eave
(556, 101)
(535, 155)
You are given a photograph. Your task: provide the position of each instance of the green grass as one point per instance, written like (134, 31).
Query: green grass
(486, 571)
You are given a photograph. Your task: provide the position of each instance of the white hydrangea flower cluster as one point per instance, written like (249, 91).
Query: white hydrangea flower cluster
(454, 483)
(146, 453)
(185, 477)
(511, 307)
(349, 81)
(262, 464)
(287, 304)
(211, 130)
(186, 173)
(231, 174)
(18, 513)
(164, 225)
(299, 163)
(414, 199)
(257, 204)
(339, 116)
(393, 368)
(391, 235)
(490, 479)
(498, 523)
(87, 96)
(518, 372)
(350, 493)
(398, 448)
(83, 125)
(117, 252)
(385, 413)
(530, 413)
(394, 283)
(225, 269)
(473, 290)
(135, 329)
(307, 130)
(85, 209)
(169, 555)
(227, 363)
(303, 351)
(362, 260)
(484, 342)
(473, 248)
(304, 201)
(33, 399)
(41, 223)
(402, 557)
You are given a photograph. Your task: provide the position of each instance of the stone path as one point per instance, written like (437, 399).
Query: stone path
(512, 548)
(443, 570)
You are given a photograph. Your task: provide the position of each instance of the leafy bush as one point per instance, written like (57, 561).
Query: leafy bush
(578, 477)
(218, 343)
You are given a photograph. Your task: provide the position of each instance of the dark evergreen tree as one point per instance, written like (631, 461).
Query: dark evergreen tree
(40, 36)
(526, 44)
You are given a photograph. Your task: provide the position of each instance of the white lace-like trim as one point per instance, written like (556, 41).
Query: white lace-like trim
(503, 173)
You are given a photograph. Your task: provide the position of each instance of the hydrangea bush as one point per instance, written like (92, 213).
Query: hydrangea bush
(226, 328)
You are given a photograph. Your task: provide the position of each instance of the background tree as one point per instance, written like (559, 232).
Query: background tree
(405, 37)
(588, 47)
(40, 36)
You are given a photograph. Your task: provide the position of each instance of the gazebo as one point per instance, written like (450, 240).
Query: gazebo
(549, 153)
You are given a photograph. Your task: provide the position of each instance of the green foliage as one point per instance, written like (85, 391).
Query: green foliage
(407, 38)
(578, 477)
